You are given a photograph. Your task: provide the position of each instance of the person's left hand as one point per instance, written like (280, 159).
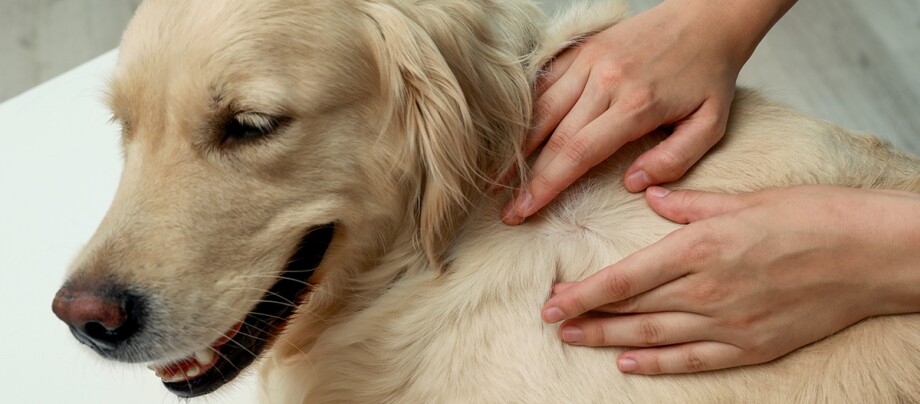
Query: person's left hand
(751, 278)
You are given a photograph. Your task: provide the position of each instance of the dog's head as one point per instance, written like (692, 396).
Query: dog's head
(273, 145)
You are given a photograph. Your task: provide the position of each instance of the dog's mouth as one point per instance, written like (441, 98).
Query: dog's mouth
(209, 368)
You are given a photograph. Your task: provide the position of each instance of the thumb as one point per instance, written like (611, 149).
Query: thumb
(691, 206)
(693, 136)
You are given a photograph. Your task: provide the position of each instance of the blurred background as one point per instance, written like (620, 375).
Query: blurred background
(853, 62)
(40, 39)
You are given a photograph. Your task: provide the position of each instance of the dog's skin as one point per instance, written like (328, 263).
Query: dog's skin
(247, 123)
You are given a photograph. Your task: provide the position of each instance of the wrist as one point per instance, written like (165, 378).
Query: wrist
(907, 297)
(898, 266)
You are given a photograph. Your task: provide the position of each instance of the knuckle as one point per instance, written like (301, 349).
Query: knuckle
(637, 100)
(597, 335)
(649, 332)
(617, 286)
(761, 346)
(743, 324)
(694, 362)
(543, 108)
(611, 74)
(688, 201)
(716, 129)
(558, 141)
(670, 165)
(697, 252)
(577, 305)
(758, 347)
(578, 151)
(708, 292)
(654, 365)
(541, 183)
(544, 188)
(701, 246)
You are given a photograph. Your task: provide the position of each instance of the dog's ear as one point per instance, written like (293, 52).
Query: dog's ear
(454, 82)
(425, 104)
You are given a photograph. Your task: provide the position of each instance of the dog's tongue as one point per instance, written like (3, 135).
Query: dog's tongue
(196, 364)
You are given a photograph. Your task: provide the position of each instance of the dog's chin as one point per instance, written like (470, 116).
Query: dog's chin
(213, 366)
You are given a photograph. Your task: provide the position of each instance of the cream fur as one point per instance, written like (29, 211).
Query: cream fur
(402, 111)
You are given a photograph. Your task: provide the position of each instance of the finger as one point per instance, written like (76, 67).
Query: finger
(667, 297)
(555, 69)
(597, 141)
(589, 108)
(692, 206)
(562, 287)
(684, 358)
(670, 159)
(551, 107)
(650, 267)
(640, 330)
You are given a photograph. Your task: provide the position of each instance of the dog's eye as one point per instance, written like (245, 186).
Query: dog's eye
(248, 126)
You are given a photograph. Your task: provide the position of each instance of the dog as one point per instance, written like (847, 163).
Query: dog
(311, 182)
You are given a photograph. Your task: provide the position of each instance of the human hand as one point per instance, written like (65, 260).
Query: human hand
(673, 65)
(750, 279)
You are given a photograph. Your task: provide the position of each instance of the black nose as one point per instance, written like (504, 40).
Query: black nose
(98, 317)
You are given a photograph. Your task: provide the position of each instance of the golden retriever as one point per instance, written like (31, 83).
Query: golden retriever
(310, 181)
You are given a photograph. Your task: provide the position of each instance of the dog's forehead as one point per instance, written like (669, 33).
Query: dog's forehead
(189, 53)
(197, 36)
(192, 32)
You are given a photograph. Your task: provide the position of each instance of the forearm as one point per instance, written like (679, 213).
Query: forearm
(739, 24)
(752, 19)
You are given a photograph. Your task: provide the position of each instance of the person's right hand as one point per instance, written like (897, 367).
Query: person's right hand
(751, 278)
(673, 65)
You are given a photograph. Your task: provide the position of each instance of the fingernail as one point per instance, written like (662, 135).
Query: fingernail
(627, 365)
(553, 315)
(572, 334)
(638, 181)
(658, 192)
(523, 204)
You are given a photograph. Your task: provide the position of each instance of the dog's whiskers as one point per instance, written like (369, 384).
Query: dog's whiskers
(286, 278)
(261, 317)
(285, 301)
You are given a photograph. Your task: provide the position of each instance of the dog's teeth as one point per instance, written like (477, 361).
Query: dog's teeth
(178, 377)
(193, 371)
(151, 367)
(205, 356)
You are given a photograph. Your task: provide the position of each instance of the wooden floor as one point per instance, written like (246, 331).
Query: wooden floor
(853, 62)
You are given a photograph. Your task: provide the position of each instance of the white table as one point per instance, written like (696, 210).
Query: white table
(59, 168)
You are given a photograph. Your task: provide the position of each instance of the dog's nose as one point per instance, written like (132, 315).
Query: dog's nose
(99, 319)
